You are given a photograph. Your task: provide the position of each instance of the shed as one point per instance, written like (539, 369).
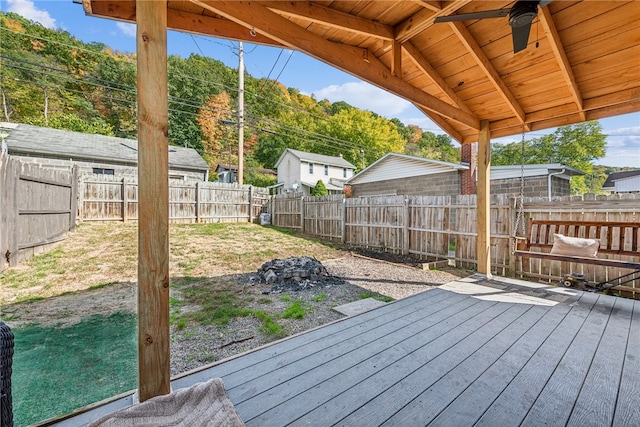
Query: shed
(395, 174)
(94, 154)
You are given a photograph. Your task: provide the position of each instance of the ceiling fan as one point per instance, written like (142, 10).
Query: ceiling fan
(521, 15)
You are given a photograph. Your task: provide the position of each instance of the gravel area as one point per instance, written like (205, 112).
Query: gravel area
(195, 346)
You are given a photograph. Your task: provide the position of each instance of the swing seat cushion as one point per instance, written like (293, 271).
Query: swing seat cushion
(575, 246)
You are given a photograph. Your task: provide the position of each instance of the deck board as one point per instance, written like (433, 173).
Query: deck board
(448, 357)
(627, 410)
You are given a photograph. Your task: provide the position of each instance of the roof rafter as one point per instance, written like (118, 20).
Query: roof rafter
(422, 20)
(182, 21)
(558, 50)
(353, 60)
(436, 6)
(474, 50)
(332, 18)
(422, 63)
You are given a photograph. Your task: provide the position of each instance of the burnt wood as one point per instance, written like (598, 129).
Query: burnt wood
(616, 238)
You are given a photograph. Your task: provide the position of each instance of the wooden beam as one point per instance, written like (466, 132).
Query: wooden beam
(423, 19)
(484, 199)
(422, 63)
(396, 61)
(180, 21)
(492, 75)
(435, 6)
(558, 50)
(153, 196)
(331, 18)
(352, 60)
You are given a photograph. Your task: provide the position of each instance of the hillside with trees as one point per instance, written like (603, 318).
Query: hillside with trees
(50, 78)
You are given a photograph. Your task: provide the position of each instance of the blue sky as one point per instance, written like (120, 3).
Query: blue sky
(293, 69)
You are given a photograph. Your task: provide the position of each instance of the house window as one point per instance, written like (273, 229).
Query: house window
(344, 172)
(311, 168)
(326, 170)
(102, 171)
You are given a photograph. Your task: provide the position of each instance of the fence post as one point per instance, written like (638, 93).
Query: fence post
(197, 202)
(406, 245)
(302, 214)
(73, 203)
(344, 220)
(13, 251)
(250, 204)
(125, 201)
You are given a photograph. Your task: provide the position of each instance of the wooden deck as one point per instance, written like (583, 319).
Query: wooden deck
(445, 358)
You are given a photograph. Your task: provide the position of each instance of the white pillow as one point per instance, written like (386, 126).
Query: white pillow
(574, 246)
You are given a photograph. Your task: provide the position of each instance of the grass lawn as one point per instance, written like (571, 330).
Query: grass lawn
(59, 369)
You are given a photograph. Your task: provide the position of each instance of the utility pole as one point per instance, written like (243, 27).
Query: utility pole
(240, 114)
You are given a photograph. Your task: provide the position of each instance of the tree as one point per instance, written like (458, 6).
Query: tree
(576, 146)
(320, 189)
(216, 126)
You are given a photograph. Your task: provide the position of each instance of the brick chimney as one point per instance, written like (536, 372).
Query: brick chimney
(468, 157)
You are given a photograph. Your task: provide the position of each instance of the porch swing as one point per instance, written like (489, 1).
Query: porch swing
(559, 240)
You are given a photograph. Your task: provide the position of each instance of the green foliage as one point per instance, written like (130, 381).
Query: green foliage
(320, 189)
(375, 295)
(297, 310)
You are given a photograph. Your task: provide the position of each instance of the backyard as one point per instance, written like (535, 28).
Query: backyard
(72, 309)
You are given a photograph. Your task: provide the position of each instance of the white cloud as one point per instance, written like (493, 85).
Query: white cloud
(127, 29)
(29, 10)
(366, 97)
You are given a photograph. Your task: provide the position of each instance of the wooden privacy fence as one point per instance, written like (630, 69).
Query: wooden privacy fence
(38, 207)
(445, 226)
(103, 198)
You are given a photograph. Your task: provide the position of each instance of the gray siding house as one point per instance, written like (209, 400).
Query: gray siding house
(400, 174)
(94, 154)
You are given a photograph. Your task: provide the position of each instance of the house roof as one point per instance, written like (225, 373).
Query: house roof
(515, 171)
(609, 183)
(579, 63)
(28, 139)
(396, 166)
(316, 158)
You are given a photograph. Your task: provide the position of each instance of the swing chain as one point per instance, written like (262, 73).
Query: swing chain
(520, 200)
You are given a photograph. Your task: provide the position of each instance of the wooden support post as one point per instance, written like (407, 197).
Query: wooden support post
(153, 198)
(484, 199)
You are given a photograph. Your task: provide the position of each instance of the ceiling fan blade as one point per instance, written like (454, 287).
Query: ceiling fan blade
(498, 13)
(520, 37)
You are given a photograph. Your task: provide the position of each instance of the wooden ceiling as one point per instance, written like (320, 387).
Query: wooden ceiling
(582, 61)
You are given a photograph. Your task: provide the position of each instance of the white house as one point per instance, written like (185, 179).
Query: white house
(300, 171)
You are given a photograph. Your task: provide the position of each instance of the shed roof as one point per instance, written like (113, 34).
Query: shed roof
(317, 158)
(580, 61)
(28, 139)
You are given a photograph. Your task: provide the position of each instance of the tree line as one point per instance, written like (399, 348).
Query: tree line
(50, 78)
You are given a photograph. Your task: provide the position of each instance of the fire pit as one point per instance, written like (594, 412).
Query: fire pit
(294, 274)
